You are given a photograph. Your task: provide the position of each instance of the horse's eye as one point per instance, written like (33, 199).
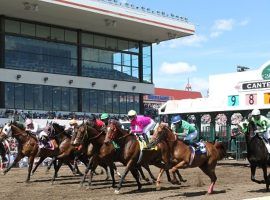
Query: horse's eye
(5, 129)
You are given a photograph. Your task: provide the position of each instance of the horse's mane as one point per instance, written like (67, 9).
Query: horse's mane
(116, 123)
(19, 125)
(54, 124)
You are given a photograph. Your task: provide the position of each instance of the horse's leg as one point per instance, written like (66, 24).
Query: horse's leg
(253, 172)
(56, 169)
(158, 187)
(51, 163)
(180, 176)
(72, 169)
(136, 175)
(168, 175)
(139, 168)
(30, 166)
(86, 171)
(264, 168)
(112, 174)
(41, 159)
(209, 170)
(150, 173)
(17, 159)
(129, 165)
(117, 172)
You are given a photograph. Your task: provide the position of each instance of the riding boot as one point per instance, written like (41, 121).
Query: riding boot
(146, 139)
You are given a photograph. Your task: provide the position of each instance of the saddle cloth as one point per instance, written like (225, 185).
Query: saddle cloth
(201, 149)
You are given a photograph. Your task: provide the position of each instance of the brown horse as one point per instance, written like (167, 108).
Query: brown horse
(181, 154)
(65, 152)
(28, 145)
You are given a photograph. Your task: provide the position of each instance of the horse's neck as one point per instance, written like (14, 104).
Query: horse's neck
(97, 137)
(20, 135)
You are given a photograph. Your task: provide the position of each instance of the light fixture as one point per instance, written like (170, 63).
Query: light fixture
(70, 81)
(93, 83)
(157, 41)
(45, 79)
(18, 76)
(133, 87)
(114, 86)
(30, 6)
(110, 23)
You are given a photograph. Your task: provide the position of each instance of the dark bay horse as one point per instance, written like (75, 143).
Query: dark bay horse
(126, 141)
(85, 136)
(180, 154)
(27, 145)
(257, 154)
(65, 152)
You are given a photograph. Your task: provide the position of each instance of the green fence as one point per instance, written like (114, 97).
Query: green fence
(236, 146)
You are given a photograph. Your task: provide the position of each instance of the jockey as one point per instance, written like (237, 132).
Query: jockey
(96, 123)
(72, 124)
(32, 127)
(140, 124)
(105, 118)
(262, 124)
(184, 129)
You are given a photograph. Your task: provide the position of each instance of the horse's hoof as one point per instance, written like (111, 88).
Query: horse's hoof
(116, 191)
(183, 180)
(158, 188)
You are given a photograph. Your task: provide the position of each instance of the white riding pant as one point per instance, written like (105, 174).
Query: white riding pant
(190, 137)
(149, 127)
(266, 135)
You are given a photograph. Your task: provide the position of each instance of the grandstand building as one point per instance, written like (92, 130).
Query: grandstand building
(83, 56)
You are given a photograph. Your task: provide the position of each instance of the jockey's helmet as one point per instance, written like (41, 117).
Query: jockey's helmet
(132, 113)
(92, 117)
(176, 119)
(104, 116)
(255, 112)
(73, 122)
(28, 121)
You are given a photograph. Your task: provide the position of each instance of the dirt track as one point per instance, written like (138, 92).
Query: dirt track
(233, 183)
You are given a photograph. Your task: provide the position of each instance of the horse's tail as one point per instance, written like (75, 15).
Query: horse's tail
(221, 149)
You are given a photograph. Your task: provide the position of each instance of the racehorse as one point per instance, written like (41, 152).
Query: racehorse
(65, 152)
(130, 148)
(180, 155)
(85, 135)
(27, 145)
(257, 154)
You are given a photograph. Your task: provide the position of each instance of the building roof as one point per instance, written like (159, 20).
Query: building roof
(101, 16)
(178, 94)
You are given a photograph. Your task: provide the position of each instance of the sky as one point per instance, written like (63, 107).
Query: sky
(228, 33)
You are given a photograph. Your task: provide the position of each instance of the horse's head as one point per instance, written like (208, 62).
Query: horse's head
(6, 132)
(113, 131)
(251, 130)
(163, 132)
(80, 133)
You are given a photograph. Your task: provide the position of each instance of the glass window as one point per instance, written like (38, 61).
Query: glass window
(137, 103)
(93, 101)
(19, 96)
(43, 31)
(117, 58)
(57, 34)
(90, 54)
(87, 39)
(70, 36)
(65, 99)
(133, 46)
(38, 97)
(123, 103)
(130, 101)
(115, 102)
(135, 72)
(73, 99)
(29, 97)
(146, 49)
(106, 56)
(111, 43)
(126, 59)
(135, 60)
(47, 91)
(12, 26)
(28, 29)
(85, 100)
(9, 95)
(108, 102)
(122, 45)
(57, 98)
(101, 102)
(99, 41)
(36, 55)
